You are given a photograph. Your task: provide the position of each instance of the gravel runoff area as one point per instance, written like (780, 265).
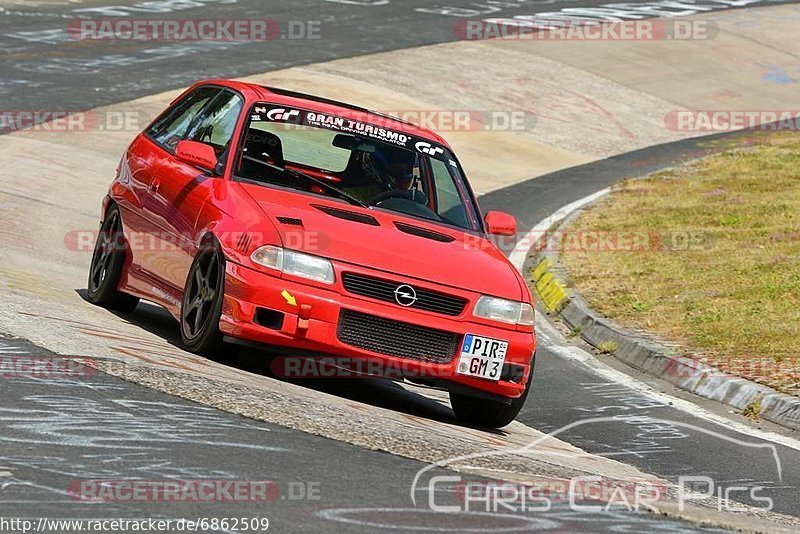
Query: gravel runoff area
(704, 256)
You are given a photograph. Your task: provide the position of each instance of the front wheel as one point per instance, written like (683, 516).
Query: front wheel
(488, 413)
(202, 300)
(108, 260)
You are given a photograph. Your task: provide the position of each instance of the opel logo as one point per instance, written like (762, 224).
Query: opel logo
(405, 295)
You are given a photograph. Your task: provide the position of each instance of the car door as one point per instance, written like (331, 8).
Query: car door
(146, 162)
(180, 189)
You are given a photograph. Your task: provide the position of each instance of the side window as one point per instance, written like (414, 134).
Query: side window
(172, 127)
(449, 203)
(217, 122)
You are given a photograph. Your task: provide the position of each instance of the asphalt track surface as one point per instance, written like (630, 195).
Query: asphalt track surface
(44, 68)
(65, 75)
(58, 434)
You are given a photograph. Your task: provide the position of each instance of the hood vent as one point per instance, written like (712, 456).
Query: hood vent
(348, 215)
(290, 221)
(424, 232)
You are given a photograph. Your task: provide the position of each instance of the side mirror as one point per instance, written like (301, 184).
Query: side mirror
(198, 154)
(500, 223)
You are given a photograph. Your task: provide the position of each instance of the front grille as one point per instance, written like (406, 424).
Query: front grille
(379, 289)
(394, 338)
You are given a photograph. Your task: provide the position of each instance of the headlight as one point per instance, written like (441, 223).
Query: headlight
(295, 263)
(505, 311)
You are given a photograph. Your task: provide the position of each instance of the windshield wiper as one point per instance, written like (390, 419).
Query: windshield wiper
(344, 195)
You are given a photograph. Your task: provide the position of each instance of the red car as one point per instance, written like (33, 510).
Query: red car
(263, 215)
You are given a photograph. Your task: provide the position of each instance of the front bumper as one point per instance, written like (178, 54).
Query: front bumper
(305, 316)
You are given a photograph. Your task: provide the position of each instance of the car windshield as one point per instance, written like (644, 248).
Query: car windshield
(358, 161)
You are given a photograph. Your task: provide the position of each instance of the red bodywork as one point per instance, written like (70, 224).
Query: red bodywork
(170, 202)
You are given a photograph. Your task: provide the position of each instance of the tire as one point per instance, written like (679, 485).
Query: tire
(488, 413)
(108, 260)
(203, 294)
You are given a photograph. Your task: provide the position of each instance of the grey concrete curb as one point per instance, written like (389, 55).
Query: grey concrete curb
(653, 356)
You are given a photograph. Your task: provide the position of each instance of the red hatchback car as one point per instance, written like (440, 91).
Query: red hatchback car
(263, 215)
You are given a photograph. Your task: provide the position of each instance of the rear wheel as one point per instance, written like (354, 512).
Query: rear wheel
(488, 413)
(108, 260)
(202, 300)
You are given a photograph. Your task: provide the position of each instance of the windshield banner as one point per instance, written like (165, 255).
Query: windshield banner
(376, 128)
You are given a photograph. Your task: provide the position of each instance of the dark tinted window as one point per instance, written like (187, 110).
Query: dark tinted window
(173, 125)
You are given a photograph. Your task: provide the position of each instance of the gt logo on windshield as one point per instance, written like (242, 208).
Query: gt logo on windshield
(280, 114)
(427, 148)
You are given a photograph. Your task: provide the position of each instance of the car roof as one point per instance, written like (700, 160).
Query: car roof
(260, 93)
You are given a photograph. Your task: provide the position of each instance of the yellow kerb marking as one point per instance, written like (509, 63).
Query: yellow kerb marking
(552, 293)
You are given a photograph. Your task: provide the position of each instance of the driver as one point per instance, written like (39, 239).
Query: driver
(386, 171)
(400, 168)
(394, 169)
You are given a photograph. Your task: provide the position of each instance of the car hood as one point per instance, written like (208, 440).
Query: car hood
(371, 238)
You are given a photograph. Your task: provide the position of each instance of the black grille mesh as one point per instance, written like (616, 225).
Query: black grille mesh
(395, 338)
(376, 288)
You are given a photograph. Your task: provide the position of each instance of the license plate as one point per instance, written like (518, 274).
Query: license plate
(482, 357)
